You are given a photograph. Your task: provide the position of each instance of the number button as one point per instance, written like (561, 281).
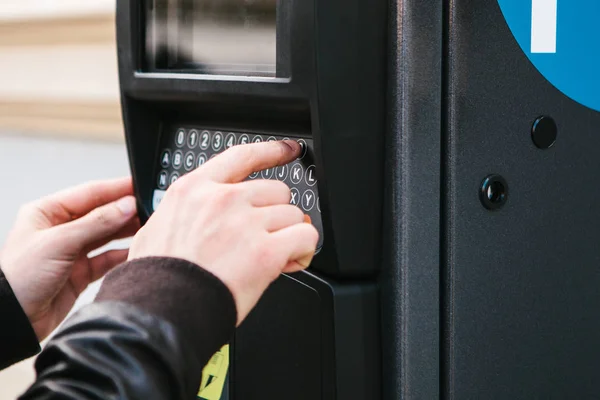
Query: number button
(308, 200)
(201, 160)
(205, 140)
(296, 173)
(180, 138)
(163, 180)
(189, 161)
(244, 139)
(257, 139)
(165, 159)
(177, 159)
(304, 147)
(271, 139)
(193, 139)
(311, 176)
(267, 173)
(281, 172)
(294, 196)
(254, 175)
(229, 141)
(217, 141)
(174, 178)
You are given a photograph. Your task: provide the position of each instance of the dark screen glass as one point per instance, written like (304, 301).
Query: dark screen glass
(216, 37)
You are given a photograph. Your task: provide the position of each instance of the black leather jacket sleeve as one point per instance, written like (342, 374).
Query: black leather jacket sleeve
(154, 326)
(17, 338)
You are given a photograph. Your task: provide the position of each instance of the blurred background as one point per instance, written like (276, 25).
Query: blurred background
(60, 121)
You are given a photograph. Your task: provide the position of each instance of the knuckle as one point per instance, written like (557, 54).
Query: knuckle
(226, 195)
(102, 218)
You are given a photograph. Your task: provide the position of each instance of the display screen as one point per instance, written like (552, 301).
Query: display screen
(216, 37)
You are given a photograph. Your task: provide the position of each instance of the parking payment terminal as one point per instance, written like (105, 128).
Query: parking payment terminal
(201, 76)
(450, 165)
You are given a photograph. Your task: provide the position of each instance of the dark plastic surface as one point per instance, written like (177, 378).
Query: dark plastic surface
(523, 284)
(410, 276)
(309, 339)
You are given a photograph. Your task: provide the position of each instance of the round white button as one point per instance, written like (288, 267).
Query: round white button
(311, 176)
(244, 139)
(271, 139)
(165, 159)
(174, 177)
(180, 138)
(163, 180)
(308, 200)
(281, 172)
(257, 139)
(319, 204)
(205, 140)
(296, 173)
(177, 159)
(192, 138)
(229, 141)
(189, 161)
(254, 175)
(267, 173)
(304, 148)
(294, 196)
(201, 160)
(217, 141)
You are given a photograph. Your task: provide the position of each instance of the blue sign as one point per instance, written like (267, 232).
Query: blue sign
(562, 40)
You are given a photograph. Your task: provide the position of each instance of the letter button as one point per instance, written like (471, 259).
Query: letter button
(163, 180)
(281, 172)
(295, 196)
(202, 159)
(165, 159)
(174, 178)
(267, 173)
(296, 173)
(308, 200)
(180, 138)
(177, 159)
(189, 161)
(205, 140)
(311, 176)
(193, 139)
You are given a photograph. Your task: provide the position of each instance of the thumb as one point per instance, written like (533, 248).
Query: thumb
(100, 223)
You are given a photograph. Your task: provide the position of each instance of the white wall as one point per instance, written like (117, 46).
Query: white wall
(18, 9)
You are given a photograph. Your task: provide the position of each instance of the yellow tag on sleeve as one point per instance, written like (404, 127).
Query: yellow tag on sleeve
(214, 376)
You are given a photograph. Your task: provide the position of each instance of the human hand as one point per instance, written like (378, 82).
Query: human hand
(45, 258)
(246, 234)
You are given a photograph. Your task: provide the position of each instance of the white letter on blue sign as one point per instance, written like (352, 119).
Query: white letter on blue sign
(544, 21)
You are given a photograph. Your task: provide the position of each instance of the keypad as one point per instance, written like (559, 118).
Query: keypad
(187, 148)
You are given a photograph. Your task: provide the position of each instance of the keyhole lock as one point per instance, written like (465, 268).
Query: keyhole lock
(494, 192)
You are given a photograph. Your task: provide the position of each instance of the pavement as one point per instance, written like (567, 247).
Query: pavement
(31, 168)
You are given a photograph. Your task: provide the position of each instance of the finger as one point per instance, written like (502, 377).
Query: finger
(100, 224)
(280, 217)
(129, 230)
(294, 266)
(299, 242)
(239, 162)
(103, 263)
(80, 200)
(263, 193)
